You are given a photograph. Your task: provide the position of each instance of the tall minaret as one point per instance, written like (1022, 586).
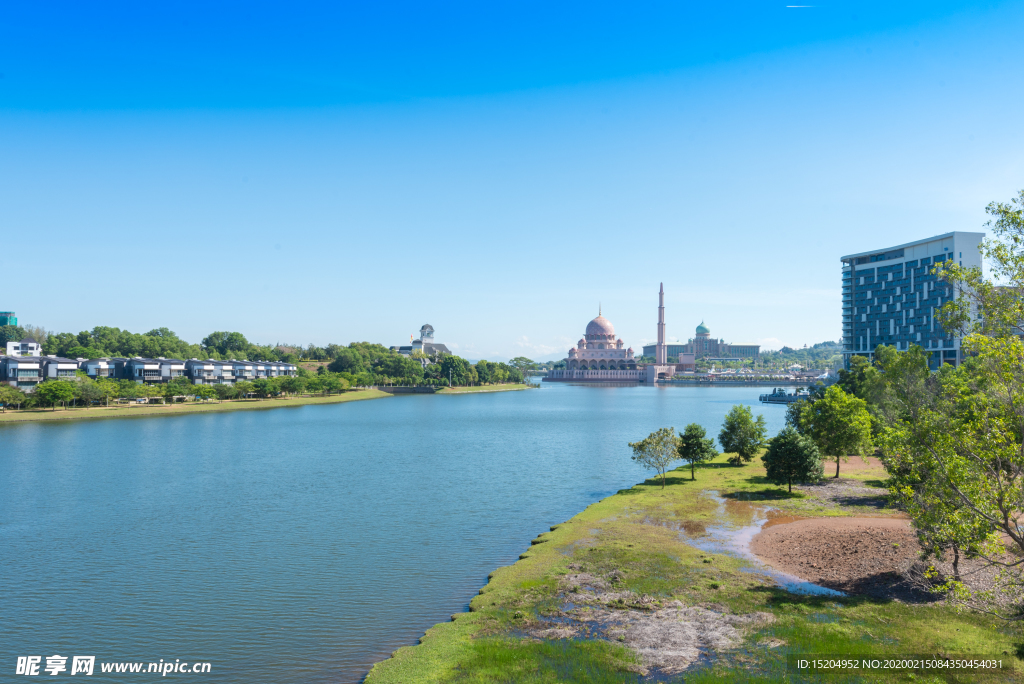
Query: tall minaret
(661, 351)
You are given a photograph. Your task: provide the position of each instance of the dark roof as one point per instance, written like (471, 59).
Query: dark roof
(28, 340)
(431, 348)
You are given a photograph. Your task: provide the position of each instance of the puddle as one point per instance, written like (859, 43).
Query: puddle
(734, 540)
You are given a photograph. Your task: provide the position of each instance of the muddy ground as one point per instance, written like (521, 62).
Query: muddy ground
(855, 555)
(668, 636)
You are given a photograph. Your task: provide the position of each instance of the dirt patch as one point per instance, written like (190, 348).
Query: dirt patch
(855, 555)
(847, 494)
(668, 636)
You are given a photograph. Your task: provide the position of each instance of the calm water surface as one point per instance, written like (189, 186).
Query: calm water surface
(300, 544)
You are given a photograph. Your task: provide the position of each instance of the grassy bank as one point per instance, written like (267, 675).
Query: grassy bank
(635, 545)
(484, 388)
(149, 410)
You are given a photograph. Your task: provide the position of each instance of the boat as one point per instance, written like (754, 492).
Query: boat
(780, 396)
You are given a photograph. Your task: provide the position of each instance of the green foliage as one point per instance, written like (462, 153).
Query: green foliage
(458, 370)
(742, 435)
(11, 396)
(225, 391)
(792, 456)
(695, 447)
(53, 392)
(953, 441)
(657, 451)
(10, 333)
(839, 424)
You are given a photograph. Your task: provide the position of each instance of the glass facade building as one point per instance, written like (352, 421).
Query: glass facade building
(890, 296)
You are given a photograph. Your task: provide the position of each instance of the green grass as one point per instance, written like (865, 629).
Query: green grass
(484, 388)
(149, 410)
(641, 533)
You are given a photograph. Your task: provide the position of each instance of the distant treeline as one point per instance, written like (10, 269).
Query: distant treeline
(358, 364)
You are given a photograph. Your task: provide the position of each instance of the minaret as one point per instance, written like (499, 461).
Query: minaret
(661, 352)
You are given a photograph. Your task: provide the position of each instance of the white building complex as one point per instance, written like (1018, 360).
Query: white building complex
(890, 297)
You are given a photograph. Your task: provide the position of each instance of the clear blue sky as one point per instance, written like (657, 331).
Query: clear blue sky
(306, 172)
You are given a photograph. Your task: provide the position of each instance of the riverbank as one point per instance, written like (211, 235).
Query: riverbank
(655, 582)
(485, 388)
(150, 410)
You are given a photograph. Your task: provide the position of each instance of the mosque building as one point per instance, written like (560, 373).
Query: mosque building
(600, 356)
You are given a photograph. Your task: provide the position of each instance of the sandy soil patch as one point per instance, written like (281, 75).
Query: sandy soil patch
(855, 555)
(668, 636)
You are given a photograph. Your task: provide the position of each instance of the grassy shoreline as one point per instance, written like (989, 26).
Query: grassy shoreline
(484, 388)
(637, 540)
(150, 410)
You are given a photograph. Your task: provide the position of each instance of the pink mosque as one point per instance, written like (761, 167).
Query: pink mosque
(601, 357)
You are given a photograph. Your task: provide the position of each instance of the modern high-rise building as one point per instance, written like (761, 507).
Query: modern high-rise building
(8, 318)
(890, 296)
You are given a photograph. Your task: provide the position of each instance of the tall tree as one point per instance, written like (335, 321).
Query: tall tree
(792, 456)
(55, 392)
(10, 395)
(10, 333)
(695, 447)
(742, 435)
(839, 424)
(656, 451)
(522, 364)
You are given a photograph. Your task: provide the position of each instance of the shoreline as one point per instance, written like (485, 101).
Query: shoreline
(632, 586)
(149, 411)
(478, 389)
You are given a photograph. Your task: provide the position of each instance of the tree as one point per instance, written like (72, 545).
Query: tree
(225, 342)
(695, 447)
(656, 451)
(55, 392)
(10, 395)
(108, 388)
(88, 390)
(839, 424)
(244, 388)
(742, 435)
(460, 370)
(130, 390)
(225, 391)
(792, 456)
(179, 387)
(293, 384)
(11, 333)
(954, 440)
(522, 364)
(205, 392)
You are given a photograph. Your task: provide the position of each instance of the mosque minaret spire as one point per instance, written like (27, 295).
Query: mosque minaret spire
(661, 351)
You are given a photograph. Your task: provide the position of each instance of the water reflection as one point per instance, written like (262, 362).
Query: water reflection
(733, 537)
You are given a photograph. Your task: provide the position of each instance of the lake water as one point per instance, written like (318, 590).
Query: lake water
(301, 544)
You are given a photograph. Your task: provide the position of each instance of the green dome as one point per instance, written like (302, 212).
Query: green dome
(702, 330)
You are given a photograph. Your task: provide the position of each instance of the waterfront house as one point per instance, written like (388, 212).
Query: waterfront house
(154, 370)
(23, 372)
(108, 368)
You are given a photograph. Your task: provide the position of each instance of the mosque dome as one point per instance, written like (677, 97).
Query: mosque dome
(702, 329)
(600, 326)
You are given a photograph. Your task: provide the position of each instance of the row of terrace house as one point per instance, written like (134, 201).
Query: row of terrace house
(25, 372)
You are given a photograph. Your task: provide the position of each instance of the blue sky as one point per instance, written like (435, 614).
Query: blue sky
(332, 172)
